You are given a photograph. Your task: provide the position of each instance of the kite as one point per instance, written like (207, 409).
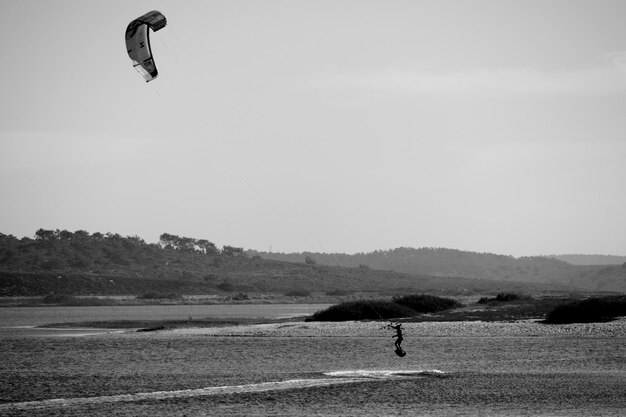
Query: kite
(138, 42)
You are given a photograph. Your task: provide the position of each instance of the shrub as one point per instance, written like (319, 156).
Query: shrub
(588, 311)
(362, 310)
(502, 297)
(338, 292)
(226, 286)
(423, 303)
(507, 297)
(240, 297)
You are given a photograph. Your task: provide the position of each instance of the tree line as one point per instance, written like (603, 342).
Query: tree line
(63, 250)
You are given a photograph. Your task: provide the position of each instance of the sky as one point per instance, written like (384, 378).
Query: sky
(325, 126)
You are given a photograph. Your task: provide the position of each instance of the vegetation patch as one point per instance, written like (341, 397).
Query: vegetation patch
(240, 297)
(363, 310)
(597, 309)
(338, 293)
(502, 298)
(424, 303)
(399, 307)
(226, 286)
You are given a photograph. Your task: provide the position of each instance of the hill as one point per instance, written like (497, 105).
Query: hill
(449, 262)
(79, 263)
(591, 259)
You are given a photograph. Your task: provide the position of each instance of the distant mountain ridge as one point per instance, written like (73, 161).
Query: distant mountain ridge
(443, 262)
(576, 259)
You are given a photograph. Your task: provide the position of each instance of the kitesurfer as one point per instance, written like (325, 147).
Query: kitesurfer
(398, 334)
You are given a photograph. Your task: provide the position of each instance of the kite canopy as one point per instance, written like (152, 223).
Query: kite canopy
(138, 42)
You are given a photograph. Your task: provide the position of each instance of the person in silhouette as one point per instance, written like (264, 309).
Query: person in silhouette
(398, 334)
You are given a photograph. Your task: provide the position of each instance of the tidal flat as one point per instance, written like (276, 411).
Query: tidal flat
(301, 368)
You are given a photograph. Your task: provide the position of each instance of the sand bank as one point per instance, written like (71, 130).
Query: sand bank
(528, 328)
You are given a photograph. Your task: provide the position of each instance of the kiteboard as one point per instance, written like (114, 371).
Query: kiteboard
(400, 352)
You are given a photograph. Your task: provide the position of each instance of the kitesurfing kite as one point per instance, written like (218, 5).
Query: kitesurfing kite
(138, 42)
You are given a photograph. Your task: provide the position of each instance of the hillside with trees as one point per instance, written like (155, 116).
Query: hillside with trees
(80, 263)
(442, 262)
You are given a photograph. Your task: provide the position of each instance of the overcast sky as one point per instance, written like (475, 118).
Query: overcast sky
(332, 126)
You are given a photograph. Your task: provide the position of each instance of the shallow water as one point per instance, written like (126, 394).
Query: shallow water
(36, 316)
(21, 321)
